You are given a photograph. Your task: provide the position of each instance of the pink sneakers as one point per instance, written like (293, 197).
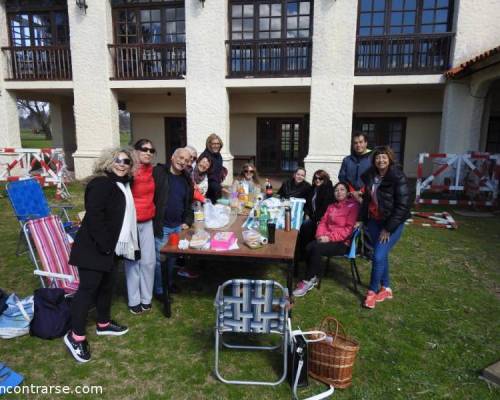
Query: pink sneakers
(370, 299)
(384, 294)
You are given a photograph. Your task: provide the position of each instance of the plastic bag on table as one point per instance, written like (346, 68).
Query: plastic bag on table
(216, 216)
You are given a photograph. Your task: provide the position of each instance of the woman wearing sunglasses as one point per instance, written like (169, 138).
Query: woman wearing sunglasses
(318, 198)
(248, 180)
(108, 233)
(385, 208)
(140, 274)
(199, 176)
(333, 235)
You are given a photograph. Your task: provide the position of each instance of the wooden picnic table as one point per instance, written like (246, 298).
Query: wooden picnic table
(281, 251)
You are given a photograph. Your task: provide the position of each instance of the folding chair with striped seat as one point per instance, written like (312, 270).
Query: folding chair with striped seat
(48, 238)
(251, 307)
(28, 201)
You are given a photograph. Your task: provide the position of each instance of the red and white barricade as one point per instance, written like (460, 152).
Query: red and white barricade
(52, 171)
(434, 220)
(473, 175)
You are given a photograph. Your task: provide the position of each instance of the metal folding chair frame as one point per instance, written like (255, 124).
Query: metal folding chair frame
(221, 328)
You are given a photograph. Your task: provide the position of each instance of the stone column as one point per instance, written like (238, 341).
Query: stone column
(9, 118)
(462, 118)
(95, 104)
(207, 100)
(332, 85)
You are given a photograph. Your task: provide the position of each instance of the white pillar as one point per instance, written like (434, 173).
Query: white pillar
(332, 85)
(462, 118)
(207, 100)
(9, 118)
(95, 104)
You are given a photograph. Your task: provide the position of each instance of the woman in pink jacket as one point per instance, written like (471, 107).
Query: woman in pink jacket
(333, 235)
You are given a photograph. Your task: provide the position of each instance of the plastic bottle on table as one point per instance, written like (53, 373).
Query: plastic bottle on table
(264, 217)
(269, 189)
(199, 217)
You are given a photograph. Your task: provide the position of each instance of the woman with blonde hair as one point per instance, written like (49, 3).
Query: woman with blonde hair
(108, 233)
(217, 172)
(248, 179)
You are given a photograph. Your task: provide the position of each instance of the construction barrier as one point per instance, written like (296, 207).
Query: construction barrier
(472, 176)
(51, 171)
(434, 220)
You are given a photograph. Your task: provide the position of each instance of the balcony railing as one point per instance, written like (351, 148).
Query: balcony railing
(38, 63)
(403, 54)
(269, 58)
(149, 61)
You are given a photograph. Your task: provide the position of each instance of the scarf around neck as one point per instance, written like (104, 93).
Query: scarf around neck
(127, 243)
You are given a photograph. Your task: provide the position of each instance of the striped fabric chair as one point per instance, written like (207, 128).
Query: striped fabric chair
(28, 201)
(47, 237)
(246, 306)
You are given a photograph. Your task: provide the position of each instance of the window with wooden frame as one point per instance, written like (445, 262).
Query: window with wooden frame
(270, 19)
(39, 28)
(282, 144)
(398, 17)
(149, 22)
(384, 131)
(278, 33)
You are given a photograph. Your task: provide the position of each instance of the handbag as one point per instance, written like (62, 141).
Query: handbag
(15, 320)
(297, 372)
(52, 314)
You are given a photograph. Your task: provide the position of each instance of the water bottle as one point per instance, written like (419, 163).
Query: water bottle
(199, 217)
(264, 216)
(269, 189)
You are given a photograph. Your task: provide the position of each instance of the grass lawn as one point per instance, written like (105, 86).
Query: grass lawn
(30, 140)
(430, 342)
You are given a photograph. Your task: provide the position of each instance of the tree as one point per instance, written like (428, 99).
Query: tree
(38, 111)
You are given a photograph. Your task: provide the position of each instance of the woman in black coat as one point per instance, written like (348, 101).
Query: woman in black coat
(217, 171)
(296, 186)
(318, 198)
(108, 231)
(385, 208)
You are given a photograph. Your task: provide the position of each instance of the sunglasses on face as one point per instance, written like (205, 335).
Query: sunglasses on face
(125, 161)
(148, 150)
(249, 171)
(318, 178)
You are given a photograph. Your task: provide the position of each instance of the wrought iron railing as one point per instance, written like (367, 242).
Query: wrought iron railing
(149, 61)
(269, 58)
(35, 63)
(403, 54)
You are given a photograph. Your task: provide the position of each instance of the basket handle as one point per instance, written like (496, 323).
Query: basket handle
(324, 325)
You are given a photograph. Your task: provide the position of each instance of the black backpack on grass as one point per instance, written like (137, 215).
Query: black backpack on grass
(52, 317)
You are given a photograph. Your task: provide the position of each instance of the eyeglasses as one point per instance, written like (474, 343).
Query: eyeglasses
(249, 171)
(149, 150)
(125, 161)
(318, 178)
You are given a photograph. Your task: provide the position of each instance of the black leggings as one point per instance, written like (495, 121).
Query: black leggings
(315, 250)
(94, 286)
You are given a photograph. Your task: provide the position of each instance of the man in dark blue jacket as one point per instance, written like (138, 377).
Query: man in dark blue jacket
(357, 163)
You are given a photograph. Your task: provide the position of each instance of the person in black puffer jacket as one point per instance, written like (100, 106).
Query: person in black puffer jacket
(385, 208)
(217, 172)
(318, 198)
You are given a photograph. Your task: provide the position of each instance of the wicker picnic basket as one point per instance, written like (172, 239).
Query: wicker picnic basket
(332, 361)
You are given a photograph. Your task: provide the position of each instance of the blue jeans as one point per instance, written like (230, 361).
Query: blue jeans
(380, 260)
(159, 243)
